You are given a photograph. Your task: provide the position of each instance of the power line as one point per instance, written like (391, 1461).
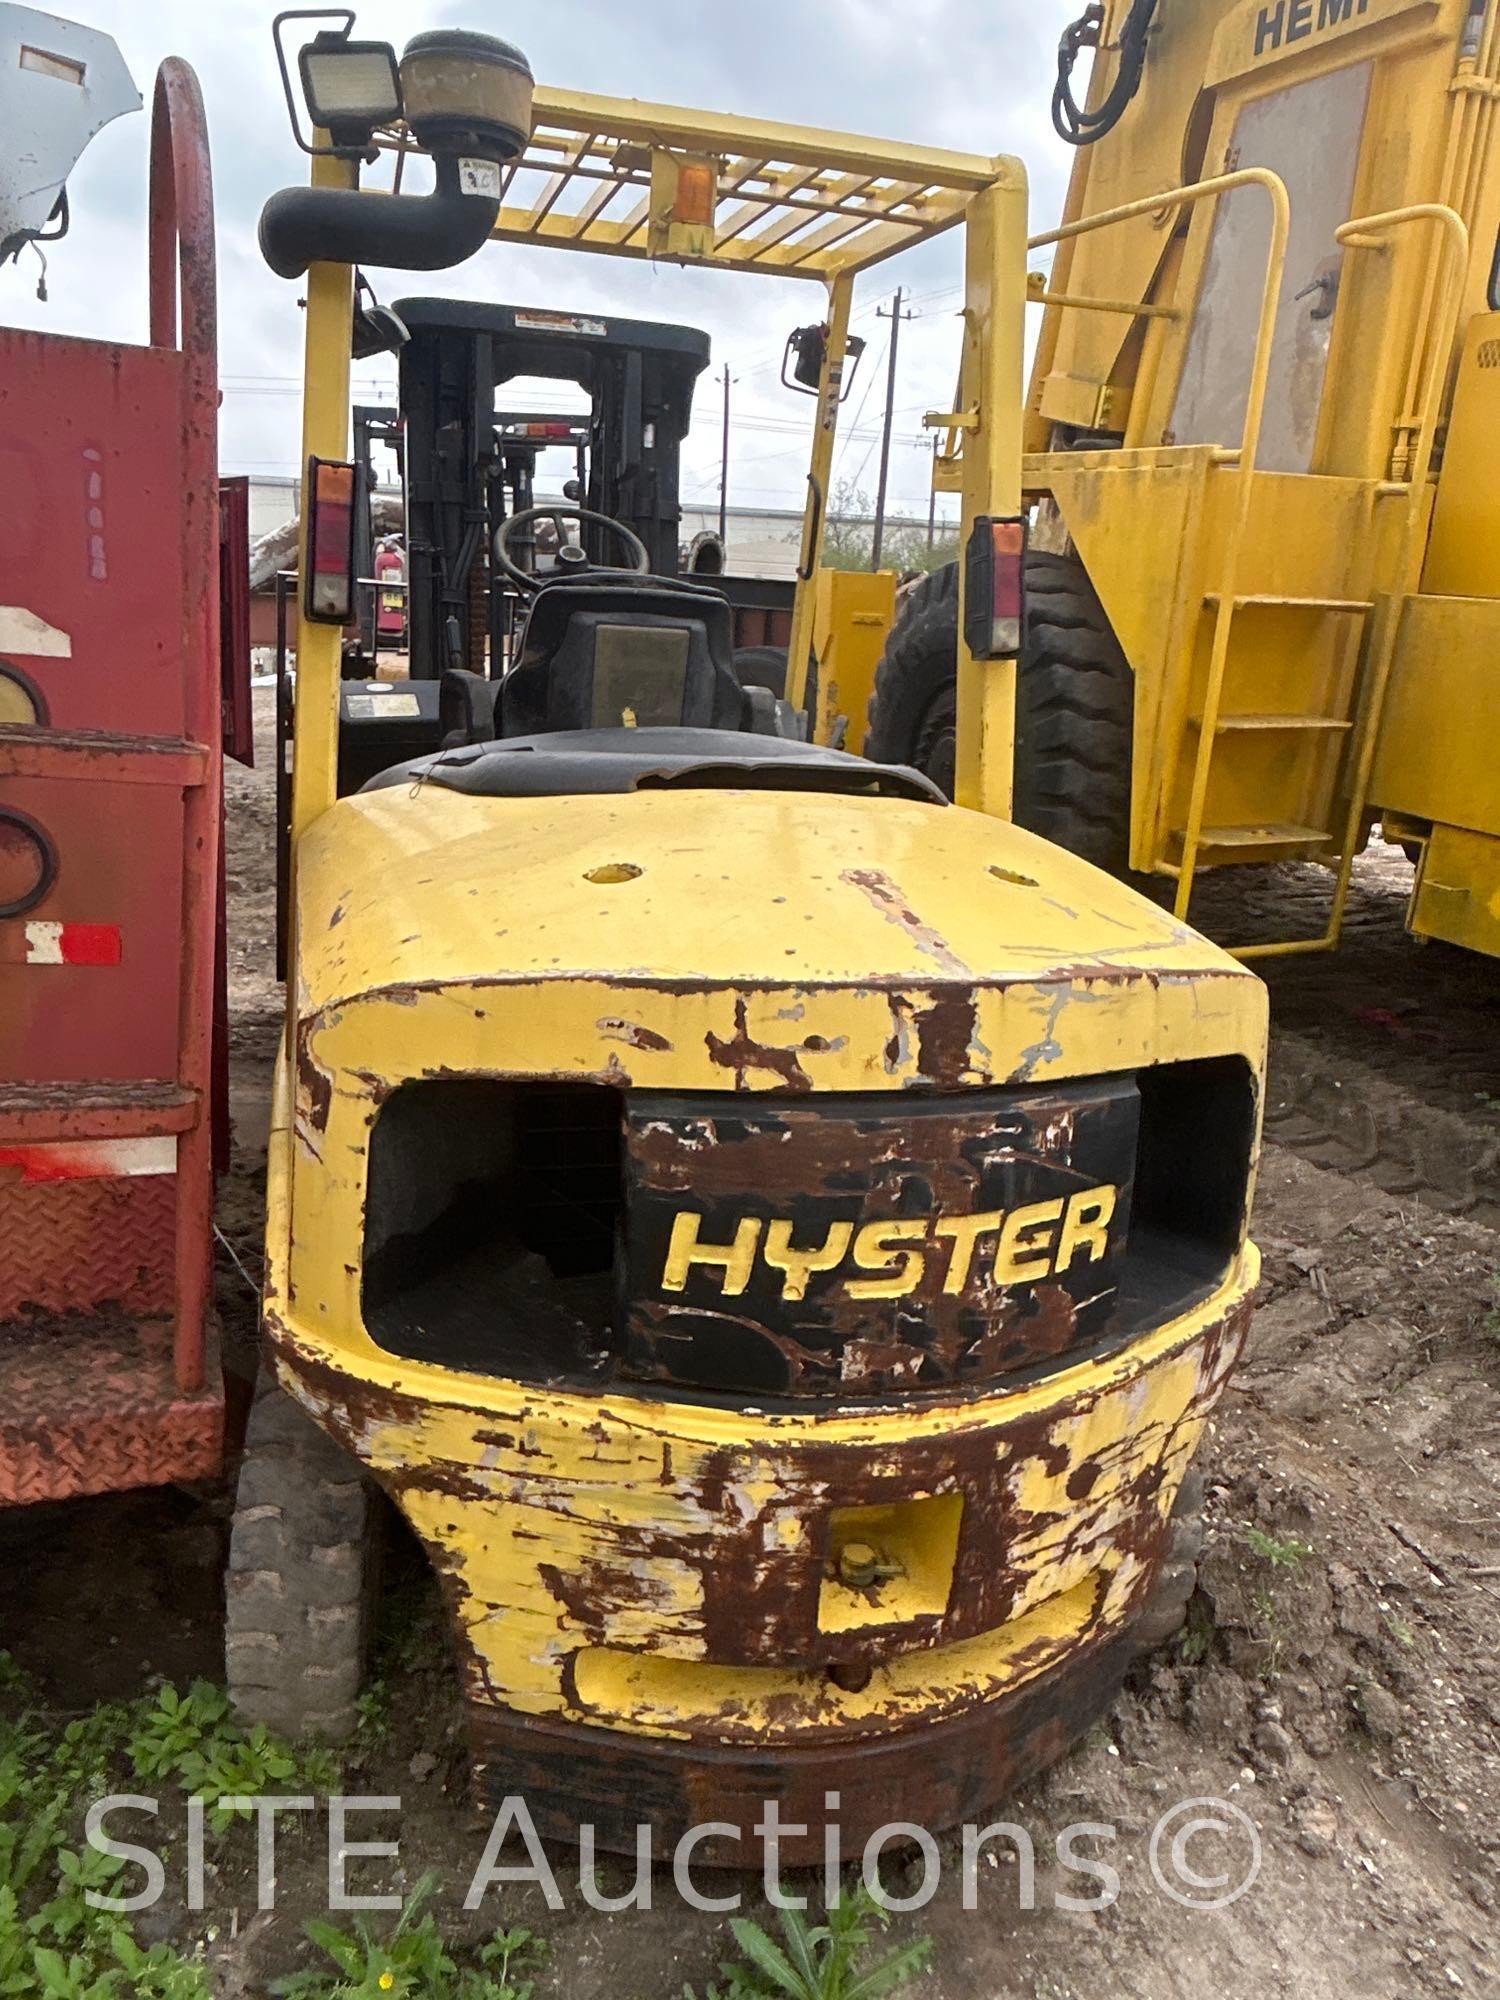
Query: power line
(878, 535)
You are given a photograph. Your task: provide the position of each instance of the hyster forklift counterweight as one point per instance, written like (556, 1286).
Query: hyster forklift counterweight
(776, 1236)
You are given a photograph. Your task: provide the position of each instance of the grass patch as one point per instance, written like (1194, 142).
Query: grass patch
(54, 1945)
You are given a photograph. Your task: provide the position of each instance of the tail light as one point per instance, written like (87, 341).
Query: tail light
(994, 565)
(329, 596)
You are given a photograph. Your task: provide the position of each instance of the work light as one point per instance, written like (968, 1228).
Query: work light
(350, 87)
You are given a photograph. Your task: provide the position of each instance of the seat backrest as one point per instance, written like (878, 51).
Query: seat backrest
(611, 649)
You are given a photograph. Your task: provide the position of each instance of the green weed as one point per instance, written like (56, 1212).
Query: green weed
(1287, 1553)
(54, 1944)
(413, 1962)
(194, 1740)
(818, 1961)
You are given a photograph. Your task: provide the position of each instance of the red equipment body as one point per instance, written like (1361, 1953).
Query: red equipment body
(390, 615)
(111, 787)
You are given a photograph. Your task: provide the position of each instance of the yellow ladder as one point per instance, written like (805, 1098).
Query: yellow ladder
(1372, 676)
(1280, 840)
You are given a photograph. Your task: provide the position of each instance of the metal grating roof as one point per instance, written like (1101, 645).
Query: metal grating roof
(600, 174)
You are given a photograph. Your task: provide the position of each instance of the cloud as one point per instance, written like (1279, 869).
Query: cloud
(933, 72)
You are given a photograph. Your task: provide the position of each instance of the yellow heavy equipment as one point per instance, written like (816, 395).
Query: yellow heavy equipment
(1264, 582)
(776, 1236)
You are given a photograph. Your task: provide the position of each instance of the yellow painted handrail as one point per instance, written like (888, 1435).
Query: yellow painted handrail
(1260, 369)
(1364, 232)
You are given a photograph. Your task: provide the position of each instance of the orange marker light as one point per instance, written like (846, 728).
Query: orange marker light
(697, 193)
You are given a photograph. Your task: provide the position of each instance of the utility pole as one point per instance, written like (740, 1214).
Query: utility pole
(895, 316)
(724, 467)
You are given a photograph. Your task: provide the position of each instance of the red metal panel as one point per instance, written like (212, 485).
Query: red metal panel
(109, 603)
(74, 1245)
(184, 304)
(91, 471)
(119, 851)
(92, 1406)
(234, 619)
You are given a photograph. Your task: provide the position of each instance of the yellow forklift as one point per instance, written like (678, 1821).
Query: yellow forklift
(1264, 590)
(775, 1235)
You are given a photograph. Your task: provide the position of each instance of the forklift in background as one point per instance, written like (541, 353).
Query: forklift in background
(467, 463)
(1264, 595)
(124, 672)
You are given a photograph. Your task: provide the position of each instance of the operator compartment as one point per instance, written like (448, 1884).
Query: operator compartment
(836, 1250)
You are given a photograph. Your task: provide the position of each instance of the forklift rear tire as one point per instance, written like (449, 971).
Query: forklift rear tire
(1177, 1578)
(1074, 706)
(303, 1569)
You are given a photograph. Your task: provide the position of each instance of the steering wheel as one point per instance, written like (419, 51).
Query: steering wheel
(527, 581)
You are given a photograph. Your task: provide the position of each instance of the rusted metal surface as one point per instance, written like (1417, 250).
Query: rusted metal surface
(90, 1404)
(827, 1305)
(73, 1245)
(40, 1112)
(942, 1774)
(605, 1554)
(107, 984)
(892, 902)
(741, 1054)
(104, 754)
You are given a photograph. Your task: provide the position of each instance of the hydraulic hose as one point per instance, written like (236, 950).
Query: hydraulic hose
(1071, 121)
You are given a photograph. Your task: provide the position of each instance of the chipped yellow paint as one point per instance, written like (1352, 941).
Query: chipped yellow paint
(455, 935)
(479, 945)
(440, 889)
(765, 1705)
(657, 1566)
(917, 1542)
(516, 1490)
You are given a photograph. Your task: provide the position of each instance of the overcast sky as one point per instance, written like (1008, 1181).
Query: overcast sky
(972, 74)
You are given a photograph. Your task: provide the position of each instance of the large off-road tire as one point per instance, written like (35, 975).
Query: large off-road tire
(1177, 1578)
(303, 1569)
(913, 711)
(1074, 706)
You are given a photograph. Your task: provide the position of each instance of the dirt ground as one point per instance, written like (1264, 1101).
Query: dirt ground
(1340, 1682)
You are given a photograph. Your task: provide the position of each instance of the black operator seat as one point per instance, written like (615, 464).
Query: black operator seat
(625, 682)
(613, 649)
